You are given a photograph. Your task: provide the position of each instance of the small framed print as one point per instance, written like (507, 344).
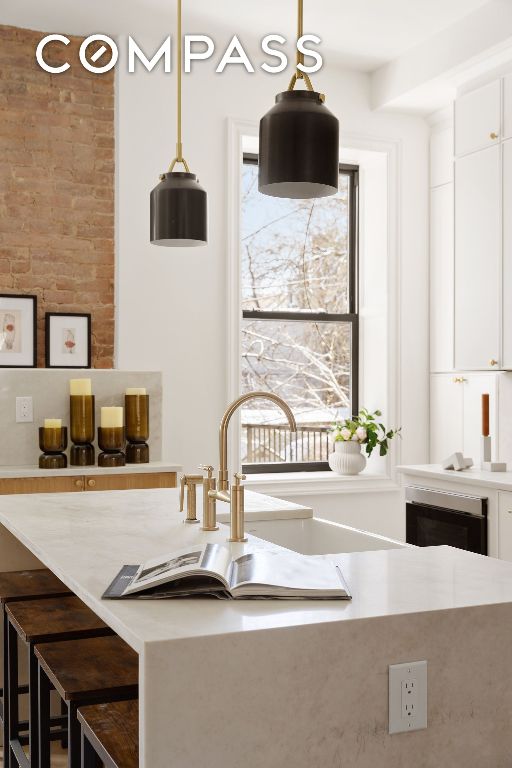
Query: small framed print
(18, 332)
(68, 340)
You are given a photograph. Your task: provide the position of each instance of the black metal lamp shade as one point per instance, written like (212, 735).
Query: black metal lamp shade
(179, 211)
(299, 147)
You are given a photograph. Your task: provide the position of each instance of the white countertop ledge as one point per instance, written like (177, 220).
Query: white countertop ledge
(85, 538)
(473, 476)
(23, 471)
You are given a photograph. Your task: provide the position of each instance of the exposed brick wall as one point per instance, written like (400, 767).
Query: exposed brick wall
(57, 185)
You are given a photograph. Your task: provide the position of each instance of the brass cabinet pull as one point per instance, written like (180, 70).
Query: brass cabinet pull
(78, 484)
(458, 379)
(493, 135)
(493, 362)
(91, 483)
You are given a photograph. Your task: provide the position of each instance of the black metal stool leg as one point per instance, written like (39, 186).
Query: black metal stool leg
(33, 668)
(44, 720)
(89, 757)
(74, 737)
(5, 731)
(64, 712)
(12, 654)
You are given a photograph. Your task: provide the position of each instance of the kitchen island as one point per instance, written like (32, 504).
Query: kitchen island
(288, 683)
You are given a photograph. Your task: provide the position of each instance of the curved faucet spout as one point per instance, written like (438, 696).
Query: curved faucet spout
(223, 433)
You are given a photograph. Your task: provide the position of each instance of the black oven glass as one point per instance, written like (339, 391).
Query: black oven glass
(429, 526)
(432, 533)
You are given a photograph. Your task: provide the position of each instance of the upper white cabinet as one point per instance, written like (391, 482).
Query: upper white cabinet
(478, 118)
(507, 107)
(478, 260)
(506, 296)
(441, 278)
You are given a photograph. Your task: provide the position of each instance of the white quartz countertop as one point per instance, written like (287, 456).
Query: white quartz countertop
(472, 476)
(34, 471)
(85, 539)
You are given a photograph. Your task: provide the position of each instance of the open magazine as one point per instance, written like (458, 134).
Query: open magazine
(211, 570)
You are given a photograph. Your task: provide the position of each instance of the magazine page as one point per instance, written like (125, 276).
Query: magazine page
(212, 560)
(280, 574)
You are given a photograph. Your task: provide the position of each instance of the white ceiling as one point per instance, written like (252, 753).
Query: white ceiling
(361, 34)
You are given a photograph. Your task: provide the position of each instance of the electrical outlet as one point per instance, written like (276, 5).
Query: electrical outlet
(407, 696)
(24, 410)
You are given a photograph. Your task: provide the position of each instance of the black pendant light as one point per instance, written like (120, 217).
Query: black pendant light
(299, 141)
(178, 203)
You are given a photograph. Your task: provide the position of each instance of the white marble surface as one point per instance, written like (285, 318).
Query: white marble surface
(86, 539)
(472, 476)
(34, 471)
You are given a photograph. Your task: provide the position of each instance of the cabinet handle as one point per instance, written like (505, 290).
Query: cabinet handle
(91, 483)
(78, 484)
(458, 380)
(492, 361)
(493, 135)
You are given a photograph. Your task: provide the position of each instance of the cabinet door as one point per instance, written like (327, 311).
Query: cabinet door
(505, 525)
(446, 416)
(478, 118)
(507, 107)
(475, 385)
(441, 278)
(507, 255)
(54, 484)
(130, 481)
(477, 260)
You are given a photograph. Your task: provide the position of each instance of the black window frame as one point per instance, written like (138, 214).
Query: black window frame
(352, 318)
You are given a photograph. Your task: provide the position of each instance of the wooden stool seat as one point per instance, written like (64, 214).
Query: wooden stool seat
(30, 585)
(89, 669)
(112, 730)
(56, 618)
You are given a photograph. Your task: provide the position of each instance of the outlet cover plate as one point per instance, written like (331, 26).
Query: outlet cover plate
(407, 697)
(24, 410)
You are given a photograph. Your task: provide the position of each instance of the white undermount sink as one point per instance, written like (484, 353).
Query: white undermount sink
(315, 536)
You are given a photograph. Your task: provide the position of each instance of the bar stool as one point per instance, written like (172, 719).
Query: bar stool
(34, 584)
(110, 735)
(37, 621)
(94, 671)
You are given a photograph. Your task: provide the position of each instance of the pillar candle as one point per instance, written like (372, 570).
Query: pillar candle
(136, 391)
(112, 416)
(80, 387)
(52, 423)
(485, 415)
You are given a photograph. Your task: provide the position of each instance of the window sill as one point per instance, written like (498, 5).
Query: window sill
(318, 483)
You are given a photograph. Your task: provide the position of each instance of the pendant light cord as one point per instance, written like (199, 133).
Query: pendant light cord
(179, 146)
(298, 74)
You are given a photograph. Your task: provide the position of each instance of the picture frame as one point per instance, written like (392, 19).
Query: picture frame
(18, 330)
(67, 340)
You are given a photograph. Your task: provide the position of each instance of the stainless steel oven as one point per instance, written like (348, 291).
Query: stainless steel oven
(440, 517)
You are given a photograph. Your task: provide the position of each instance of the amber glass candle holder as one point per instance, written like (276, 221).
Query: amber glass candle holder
(112, 441)
(81, 409)
(137, 428)
(53, 441)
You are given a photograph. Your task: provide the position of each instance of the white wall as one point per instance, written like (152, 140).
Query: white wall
(171, 303)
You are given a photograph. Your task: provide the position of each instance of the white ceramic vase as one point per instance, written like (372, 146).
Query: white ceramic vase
(347, 458)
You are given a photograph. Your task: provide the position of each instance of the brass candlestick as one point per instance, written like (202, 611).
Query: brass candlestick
(137, 428)
(81, 408)
(112, 441)
(53, 441)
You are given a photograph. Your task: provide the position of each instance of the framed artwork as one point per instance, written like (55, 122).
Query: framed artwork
(67, 340)
(18, 332)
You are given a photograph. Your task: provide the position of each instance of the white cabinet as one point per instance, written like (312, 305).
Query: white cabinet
(441, 156)
(441, 278)
(478, 118)
(505, 525)
(456, 414)
(478, 260)
(507, 107)
(506, 296)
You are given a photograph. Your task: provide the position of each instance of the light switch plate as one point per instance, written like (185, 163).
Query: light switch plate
(407, 697)
(24, 410)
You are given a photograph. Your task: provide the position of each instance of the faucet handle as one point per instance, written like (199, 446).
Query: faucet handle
(207, 468)
(238, 477)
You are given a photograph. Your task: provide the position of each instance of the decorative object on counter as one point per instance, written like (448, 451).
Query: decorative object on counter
(18, 331)
(457, 462)
(299, 140)
(112, 437)
(486, 462)
(350, 434)
(137, 425)
(178, 203)
(67, 340)
(53, 441)
(82, 423)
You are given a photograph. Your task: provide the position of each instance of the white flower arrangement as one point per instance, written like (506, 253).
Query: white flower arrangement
(365, 430)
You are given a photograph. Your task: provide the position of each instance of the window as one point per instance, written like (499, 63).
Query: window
(299, 320)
